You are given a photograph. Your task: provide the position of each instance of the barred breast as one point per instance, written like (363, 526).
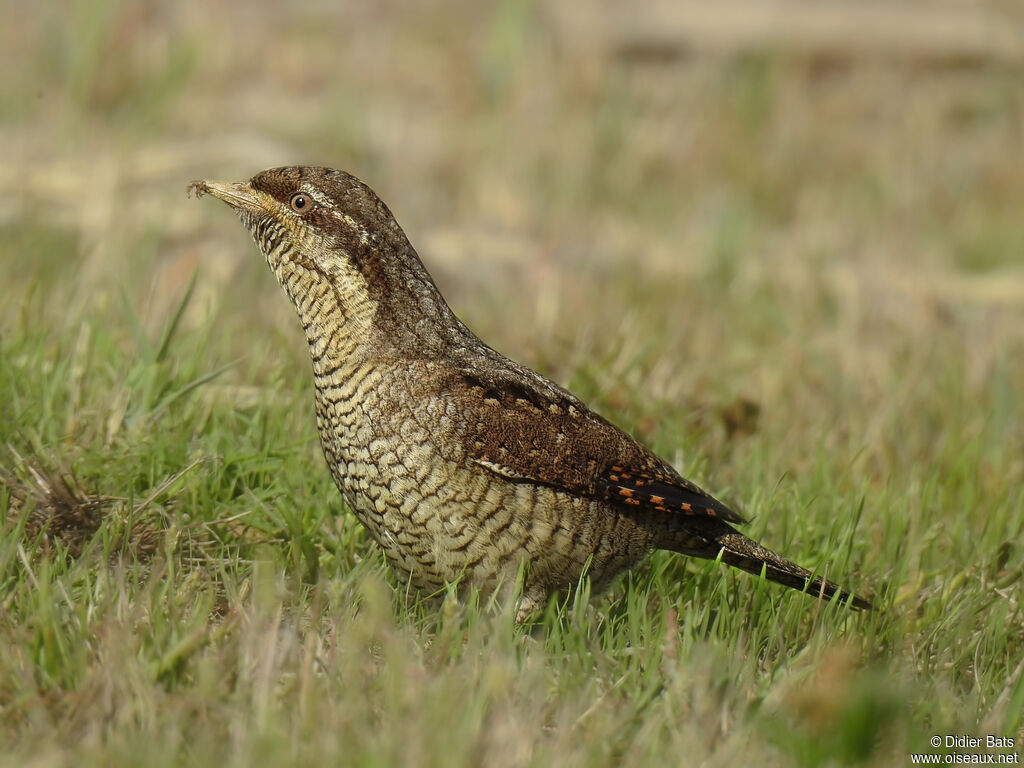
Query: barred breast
(440, 519)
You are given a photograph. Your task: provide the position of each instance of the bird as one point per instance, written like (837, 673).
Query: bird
(468, 469)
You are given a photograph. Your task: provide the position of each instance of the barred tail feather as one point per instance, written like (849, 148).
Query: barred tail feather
(747, 555)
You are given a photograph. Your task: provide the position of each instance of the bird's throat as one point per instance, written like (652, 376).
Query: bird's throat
(334, 307)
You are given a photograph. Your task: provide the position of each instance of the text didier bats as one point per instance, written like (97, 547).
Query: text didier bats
(989, 742)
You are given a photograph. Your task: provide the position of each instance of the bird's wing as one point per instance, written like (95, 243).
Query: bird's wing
(664, 493)
(527, 429)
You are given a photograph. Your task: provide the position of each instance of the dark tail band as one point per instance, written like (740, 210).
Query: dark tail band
(747, 555)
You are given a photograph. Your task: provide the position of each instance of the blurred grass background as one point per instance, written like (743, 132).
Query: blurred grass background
(781, 242)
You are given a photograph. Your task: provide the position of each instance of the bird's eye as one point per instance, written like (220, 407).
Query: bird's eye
(300, 202)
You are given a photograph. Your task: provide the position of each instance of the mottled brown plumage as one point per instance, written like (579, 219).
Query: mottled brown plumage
(463, 465)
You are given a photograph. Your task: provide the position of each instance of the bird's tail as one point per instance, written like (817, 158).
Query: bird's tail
(746, 554)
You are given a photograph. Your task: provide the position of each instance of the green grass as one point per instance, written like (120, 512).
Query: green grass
(263, 627)
(799, 280)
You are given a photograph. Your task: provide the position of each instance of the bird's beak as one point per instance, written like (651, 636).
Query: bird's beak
(239, 195)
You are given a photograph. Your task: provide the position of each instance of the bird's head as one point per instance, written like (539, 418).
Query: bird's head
(316, 217)
(329, 238)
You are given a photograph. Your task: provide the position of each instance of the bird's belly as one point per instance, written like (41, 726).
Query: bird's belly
(437, 525)
(441, 519)
(452, 524)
